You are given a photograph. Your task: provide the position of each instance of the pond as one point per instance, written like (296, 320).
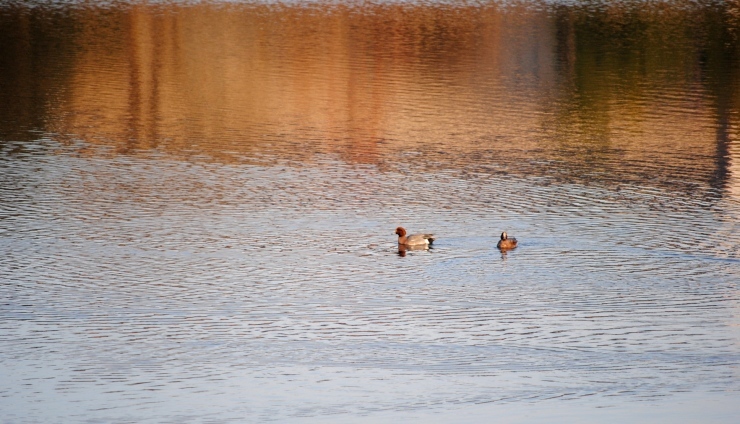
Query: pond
(198, 203)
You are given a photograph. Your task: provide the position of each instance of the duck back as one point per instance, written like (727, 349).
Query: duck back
(508, 243)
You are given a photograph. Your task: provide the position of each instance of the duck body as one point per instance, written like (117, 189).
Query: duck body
(506, 243)
(413, 239)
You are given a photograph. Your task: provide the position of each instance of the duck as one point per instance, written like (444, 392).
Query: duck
(413, 239)
(506, 243)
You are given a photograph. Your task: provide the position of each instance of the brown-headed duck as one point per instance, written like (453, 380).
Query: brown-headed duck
(413, 239)
(506, 243)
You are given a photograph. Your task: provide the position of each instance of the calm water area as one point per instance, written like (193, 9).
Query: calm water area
(198, 203)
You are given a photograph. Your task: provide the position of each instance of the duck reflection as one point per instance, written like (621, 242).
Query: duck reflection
(402, 249)
(503, 252)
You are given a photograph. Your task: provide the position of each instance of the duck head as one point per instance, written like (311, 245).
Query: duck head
(400, 231)
(504, 236)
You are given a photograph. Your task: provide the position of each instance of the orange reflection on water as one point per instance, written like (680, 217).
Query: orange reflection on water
(463, 86)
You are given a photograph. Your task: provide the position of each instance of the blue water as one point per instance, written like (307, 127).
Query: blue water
(198, 206)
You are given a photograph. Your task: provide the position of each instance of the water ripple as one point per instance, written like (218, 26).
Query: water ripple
(197, 205)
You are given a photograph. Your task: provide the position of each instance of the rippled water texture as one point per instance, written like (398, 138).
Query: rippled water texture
(198, 203)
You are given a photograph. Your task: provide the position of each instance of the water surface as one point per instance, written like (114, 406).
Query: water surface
(198, 200)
